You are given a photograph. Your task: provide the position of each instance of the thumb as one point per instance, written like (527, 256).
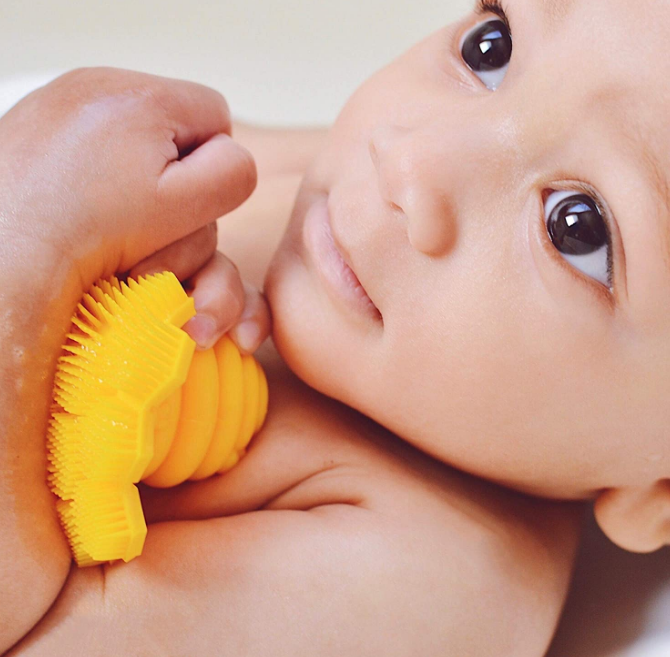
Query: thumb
(209, 182)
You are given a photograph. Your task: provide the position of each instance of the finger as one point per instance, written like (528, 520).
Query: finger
(183, 258)
(211, 181)
(196, 112)
(254, 324)
(218, 294)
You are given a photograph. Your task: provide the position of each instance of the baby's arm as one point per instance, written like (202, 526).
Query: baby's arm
(100, 170)
(280, 151)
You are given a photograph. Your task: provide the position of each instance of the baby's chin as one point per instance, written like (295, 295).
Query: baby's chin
(290, 327)
(304, 330)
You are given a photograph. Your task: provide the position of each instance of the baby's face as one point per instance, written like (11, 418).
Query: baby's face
(504, 209)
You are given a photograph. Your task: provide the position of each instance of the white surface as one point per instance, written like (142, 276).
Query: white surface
(296, 62)
(286, 61)
(14, 87)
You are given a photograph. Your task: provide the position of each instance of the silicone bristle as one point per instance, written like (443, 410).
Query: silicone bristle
(104, 523)
(164, 296)
(123, 358)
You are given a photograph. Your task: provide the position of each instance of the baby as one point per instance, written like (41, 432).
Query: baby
(463, 265)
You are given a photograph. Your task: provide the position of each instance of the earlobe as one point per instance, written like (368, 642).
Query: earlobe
(636, 518)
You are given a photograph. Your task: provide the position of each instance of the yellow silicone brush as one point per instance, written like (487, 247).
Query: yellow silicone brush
(133, 401)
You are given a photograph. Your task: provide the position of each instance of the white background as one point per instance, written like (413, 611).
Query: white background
(294, 62)
(285, 61)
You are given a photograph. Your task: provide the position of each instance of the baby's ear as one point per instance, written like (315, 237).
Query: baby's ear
(636, 518)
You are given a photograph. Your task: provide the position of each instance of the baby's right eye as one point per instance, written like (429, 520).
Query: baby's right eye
(487, 50)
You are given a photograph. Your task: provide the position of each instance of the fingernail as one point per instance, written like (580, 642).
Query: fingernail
(202, 328)
(246, 335)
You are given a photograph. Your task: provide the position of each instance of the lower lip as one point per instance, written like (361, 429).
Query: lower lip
(338, 277)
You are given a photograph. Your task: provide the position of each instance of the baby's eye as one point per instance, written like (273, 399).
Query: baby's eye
(487, 49)
(579, 232)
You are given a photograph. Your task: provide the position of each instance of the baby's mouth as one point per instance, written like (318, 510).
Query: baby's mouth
(332, 262)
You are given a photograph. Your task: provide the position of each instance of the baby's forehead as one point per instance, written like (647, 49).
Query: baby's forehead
(609, 58)
(622, 34)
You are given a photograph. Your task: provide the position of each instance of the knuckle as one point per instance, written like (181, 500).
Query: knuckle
(108, 90)
(148, 100)
(209, 95)
(68, 78)
(78, 74)
(73, 84)
(96, 79)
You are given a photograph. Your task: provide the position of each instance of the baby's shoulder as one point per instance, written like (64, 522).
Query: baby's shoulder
(483, 569)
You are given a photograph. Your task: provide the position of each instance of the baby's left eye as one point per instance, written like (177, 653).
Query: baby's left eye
(579, 232)
(487, 50)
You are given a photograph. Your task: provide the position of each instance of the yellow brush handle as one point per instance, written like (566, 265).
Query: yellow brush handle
(134, 401)
(218, 412)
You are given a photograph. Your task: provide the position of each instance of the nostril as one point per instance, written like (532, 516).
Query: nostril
(386, 184)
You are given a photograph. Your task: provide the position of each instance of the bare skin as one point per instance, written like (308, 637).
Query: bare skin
(330, 522)
(489, 350)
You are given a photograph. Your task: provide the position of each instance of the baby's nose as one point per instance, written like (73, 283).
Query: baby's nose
(411, 181)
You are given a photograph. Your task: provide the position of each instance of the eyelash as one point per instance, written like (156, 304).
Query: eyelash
(493, 7)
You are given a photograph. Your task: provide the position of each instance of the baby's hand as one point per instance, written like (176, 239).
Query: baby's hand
(223, 303)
